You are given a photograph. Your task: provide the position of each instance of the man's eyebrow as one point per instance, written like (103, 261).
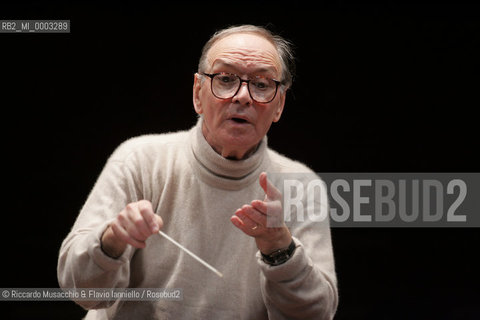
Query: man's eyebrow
(222, 63)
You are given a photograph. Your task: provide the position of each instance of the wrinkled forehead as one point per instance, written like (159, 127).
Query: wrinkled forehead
(245, 52)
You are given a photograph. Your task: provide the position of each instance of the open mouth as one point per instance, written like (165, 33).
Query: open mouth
(239, 120)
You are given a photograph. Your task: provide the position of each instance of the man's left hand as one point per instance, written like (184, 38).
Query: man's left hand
(252, 219)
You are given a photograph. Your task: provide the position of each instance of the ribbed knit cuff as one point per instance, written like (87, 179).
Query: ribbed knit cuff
(98, 256)
(288, 270)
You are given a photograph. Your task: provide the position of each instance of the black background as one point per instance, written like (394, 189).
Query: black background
(387, 86)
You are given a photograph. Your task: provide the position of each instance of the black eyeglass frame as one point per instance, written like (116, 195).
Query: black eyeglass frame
(212, 75)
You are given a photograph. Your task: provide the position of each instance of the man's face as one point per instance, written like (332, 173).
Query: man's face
(234, 127)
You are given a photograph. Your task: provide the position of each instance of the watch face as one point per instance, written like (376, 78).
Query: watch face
(279, 253)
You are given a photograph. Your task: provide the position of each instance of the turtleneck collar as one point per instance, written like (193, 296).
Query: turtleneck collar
(221, 172)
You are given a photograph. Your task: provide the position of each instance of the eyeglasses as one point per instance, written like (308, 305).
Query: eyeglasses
(226, 85)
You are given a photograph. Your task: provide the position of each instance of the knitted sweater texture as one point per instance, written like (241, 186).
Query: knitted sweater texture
(196, 191)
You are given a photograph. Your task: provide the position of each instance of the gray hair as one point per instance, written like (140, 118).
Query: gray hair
(283, 46)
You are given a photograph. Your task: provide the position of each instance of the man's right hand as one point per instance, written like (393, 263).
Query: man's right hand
(133, 226)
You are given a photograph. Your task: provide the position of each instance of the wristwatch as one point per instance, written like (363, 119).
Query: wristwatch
(279, 256)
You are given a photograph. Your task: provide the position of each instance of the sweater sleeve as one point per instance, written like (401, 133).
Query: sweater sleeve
(82, 263)
(304, 287)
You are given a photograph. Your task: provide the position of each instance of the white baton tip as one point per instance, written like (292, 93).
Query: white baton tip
(193, 255)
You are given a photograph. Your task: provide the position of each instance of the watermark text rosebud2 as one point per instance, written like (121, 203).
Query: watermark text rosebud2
(90, 294)
(380, 199)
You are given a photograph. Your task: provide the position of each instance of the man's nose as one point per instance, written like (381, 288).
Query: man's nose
(243, 96)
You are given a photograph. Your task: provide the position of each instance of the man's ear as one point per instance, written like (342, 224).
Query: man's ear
(281, 104)
(197, 85)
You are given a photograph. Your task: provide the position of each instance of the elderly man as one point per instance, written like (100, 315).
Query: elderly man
(208, 189)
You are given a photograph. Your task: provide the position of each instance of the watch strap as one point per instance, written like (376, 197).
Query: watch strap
(279, 256)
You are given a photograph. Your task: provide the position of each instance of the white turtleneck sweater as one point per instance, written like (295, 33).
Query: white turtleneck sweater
(196, 191)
